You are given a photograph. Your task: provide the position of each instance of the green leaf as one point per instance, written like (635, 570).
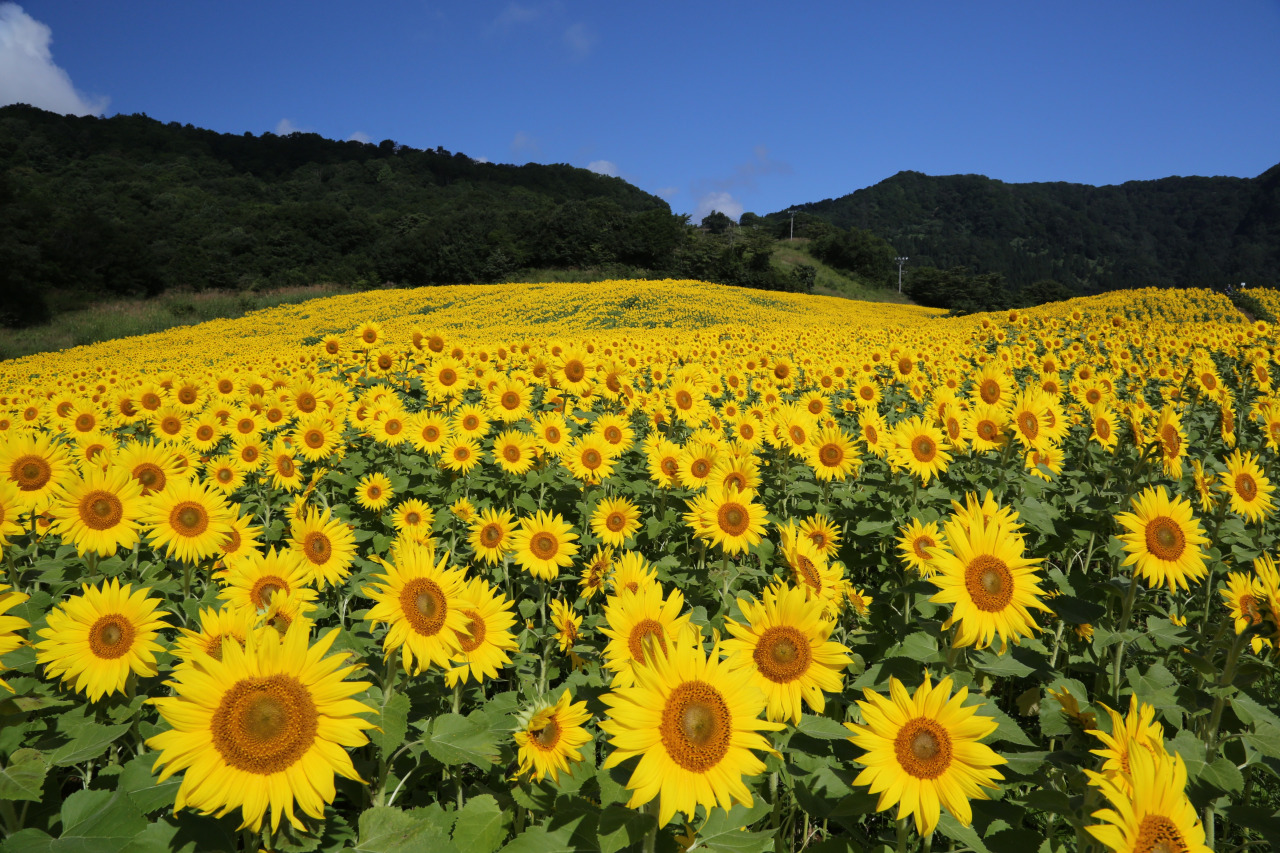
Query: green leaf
(538, 839)
(90, 740)
(144, 789)
(28, 841)
(481, 826)
(454, 739)
(1156, 686)
(1006, 729)
(384, 829)
(621, 827)
(96, 821)
(966, 835)
(394, 724)
(823, 728)
(23, 778)
(1223, 775)
(724, 830)
(1191, 748)
(1076, 611)
(1001, 666)
(1249, 710)
(919, 646)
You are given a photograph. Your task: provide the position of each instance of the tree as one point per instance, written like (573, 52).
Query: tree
(716, 222)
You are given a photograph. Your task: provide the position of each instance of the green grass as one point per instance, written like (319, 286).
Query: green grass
(126, 318)
(788, 254)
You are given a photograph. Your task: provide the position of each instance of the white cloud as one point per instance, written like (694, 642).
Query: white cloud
(579, 39)
(604, 167)
(479, 159)
(359, 136)
(286, 126)
(28, 74)
(523, 143)
(721, 201)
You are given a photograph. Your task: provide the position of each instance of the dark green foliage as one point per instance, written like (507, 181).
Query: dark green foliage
(957, 289)
(717, 222)
(857, 252)
(94, 209)
(1173, 232)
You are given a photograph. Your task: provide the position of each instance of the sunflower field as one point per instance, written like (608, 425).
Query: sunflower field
(646, 566)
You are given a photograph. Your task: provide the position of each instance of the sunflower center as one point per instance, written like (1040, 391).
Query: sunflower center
(921, 546)
(643, 629)
(923, 748)
(374, 492)
(189, 519)
(314, 438)
(808, 573)
(431, 433)
(700, 468)
(233, 542)
(989, 582)
(782, 654)
(591, 458)
(225, 475)
(316, 547)
(448, 376)
(151, 477)
(613, 435)
(510, 400)
(1249, 609)
(923, 448)
(671, 467)
(798, 435)
(574, 370)
(491, 535)
(265, 588)
(696, 726)
(733, 519)
(615, 522)
(989, 391)
(831, 455)
(412, 519)
(101, 510)
(1246, 487)
(111, 637)
(393, 426)
(284, 465)
(30, 472)
(544, 546)
(1102, 428)
(424, 606)
(204, 432)
(1158, 834)
(1165, 539)
(1030, 424)
(1172, 442)
(264, 725)
(85, 422)
(472, 638)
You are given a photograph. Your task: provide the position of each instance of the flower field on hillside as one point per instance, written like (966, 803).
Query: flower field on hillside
(645, 565)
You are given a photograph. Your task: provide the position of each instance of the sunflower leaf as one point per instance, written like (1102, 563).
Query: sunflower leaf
(394, 724)
(384, 829)
(481, 826)
(23, 777)
(455, 739)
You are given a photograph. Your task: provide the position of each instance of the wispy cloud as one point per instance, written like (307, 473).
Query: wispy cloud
(359, 136)
(28, 74)
(523, 144)
(667, 192)
(285, 126)
(580, 39)
(720, 193)
(604, 167)
(515, 14)
(721, 201)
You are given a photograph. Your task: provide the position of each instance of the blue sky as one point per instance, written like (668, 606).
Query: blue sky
(737, 106)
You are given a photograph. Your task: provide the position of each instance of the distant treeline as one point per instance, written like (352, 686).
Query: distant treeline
(94, 209)
(1022, 243)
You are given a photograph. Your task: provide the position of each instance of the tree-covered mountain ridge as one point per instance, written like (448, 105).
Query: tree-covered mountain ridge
(1175, 232)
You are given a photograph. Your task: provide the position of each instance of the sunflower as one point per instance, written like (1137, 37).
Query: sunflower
(169, 425)
(821, 579)
(413, 517)
(822, 532)
(428, 431)
(1046, 459)
(224, 473)
(696, 463)
(615, 520)
(1243, 598)
(327, 544)
(1103, 427)
(10, 625)
(551, 431)
(513, 451)
(1247, 488)
(36, 465)
(1138, 731)
(316, 437)
(568, 626)
(630, 572)
(374, 491)
(459, 454)
(984, 572)
(1029, 412)
(729, 518)
(786, 645)
(634, 619)
(549, 737)
(286, 610)
(1163, 540)
(490, 536)
(422, 606)
(446, 378)
(96, 639)
(189, 520)
(216, 626)
(590, 459)
(544, 544)
(463, 510)
(572, 370)
(923, 752)
(265, 726)
(282, 467)
(509, 400)
(993, 386)
(693, 724)
(831, 454)
(255, 580)
(100, 513)
(1151, 812)
(918, 544)
(1173, 441)
(663, 459)
(596, 572)
(242, 541)
(875, 433)
(249, 451)
(918, 448)
(485, 642)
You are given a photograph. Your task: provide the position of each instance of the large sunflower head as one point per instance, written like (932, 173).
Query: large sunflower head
(419, 599)
(485, 642)
(640, 625)
(1248, 489)
(100, 512)
(36, 465)
(1164, 539)
(918, 447)
(918, 543)
(550, 736)
(96, 639)
(190, 520)
(1149, 808)
(615, 520)
(544, 544)
(326, 543)
(252, 582)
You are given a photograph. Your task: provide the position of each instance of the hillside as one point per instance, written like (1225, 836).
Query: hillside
(1178, 231)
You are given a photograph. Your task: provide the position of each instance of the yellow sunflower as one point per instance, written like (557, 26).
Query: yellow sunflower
(374, 491)
(99, 513)
(1152, 812)
(485, 642)
(544, 544)
(918, 447)
(822, 532)
(188, 519)
(459, 454)
(918, 544)
(96, 639)
(596, 572)
(550, 737)
(513, 451)
(224, 473)
(615, 520)
(636, 619)
(428, 431)
(36, 465)
(421, 604)
(255, 580)
(728, 518)
(491, 535)
(985, 574)
(327, 544)
(590, 459)
(923, 752)
(831, 454)
(413, 517)
(987, 427)
(786, 645)
(630, 572)
(242, 541)
(1247, 488)
(282, 467)
(10, 625)
(1163, 540)
(1138, 731)
(694, 725)
(216, 626)
(266, 726)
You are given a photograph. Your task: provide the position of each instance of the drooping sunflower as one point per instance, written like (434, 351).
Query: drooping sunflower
(188, 519)
(266, 726)
(1045, 462)
(1242, 598)
(596, 572)
(549, 737)
(636, 619)
(615, 520)
(544, 544)
(1152, 812)
(918, 447)
(1247, 489)
(985, 574)
(36, 465)
(918, 543)
(10, 625)
(327, 544)
(374, 491)
(1173, 441)
(99, 513)
(419, 599)
(923, 752)
(694, 725)
(568, 626)
(487, 639)
(1164, 539)
(786, 645)
(96, 639)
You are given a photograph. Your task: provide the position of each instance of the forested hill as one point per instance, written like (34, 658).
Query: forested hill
(96, 208)
(1184, 232)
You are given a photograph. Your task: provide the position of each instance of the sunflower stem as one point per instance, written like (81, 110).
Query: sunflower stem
(1125, 612)
(903, 833)
(651, 837)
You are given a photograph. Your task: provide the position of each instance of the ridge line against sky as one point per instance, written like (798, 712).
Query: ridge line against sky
(733, 107)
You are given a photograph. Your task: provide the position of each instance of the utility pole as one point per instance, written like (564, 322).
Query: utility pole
(900, 261)
(792, 211)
